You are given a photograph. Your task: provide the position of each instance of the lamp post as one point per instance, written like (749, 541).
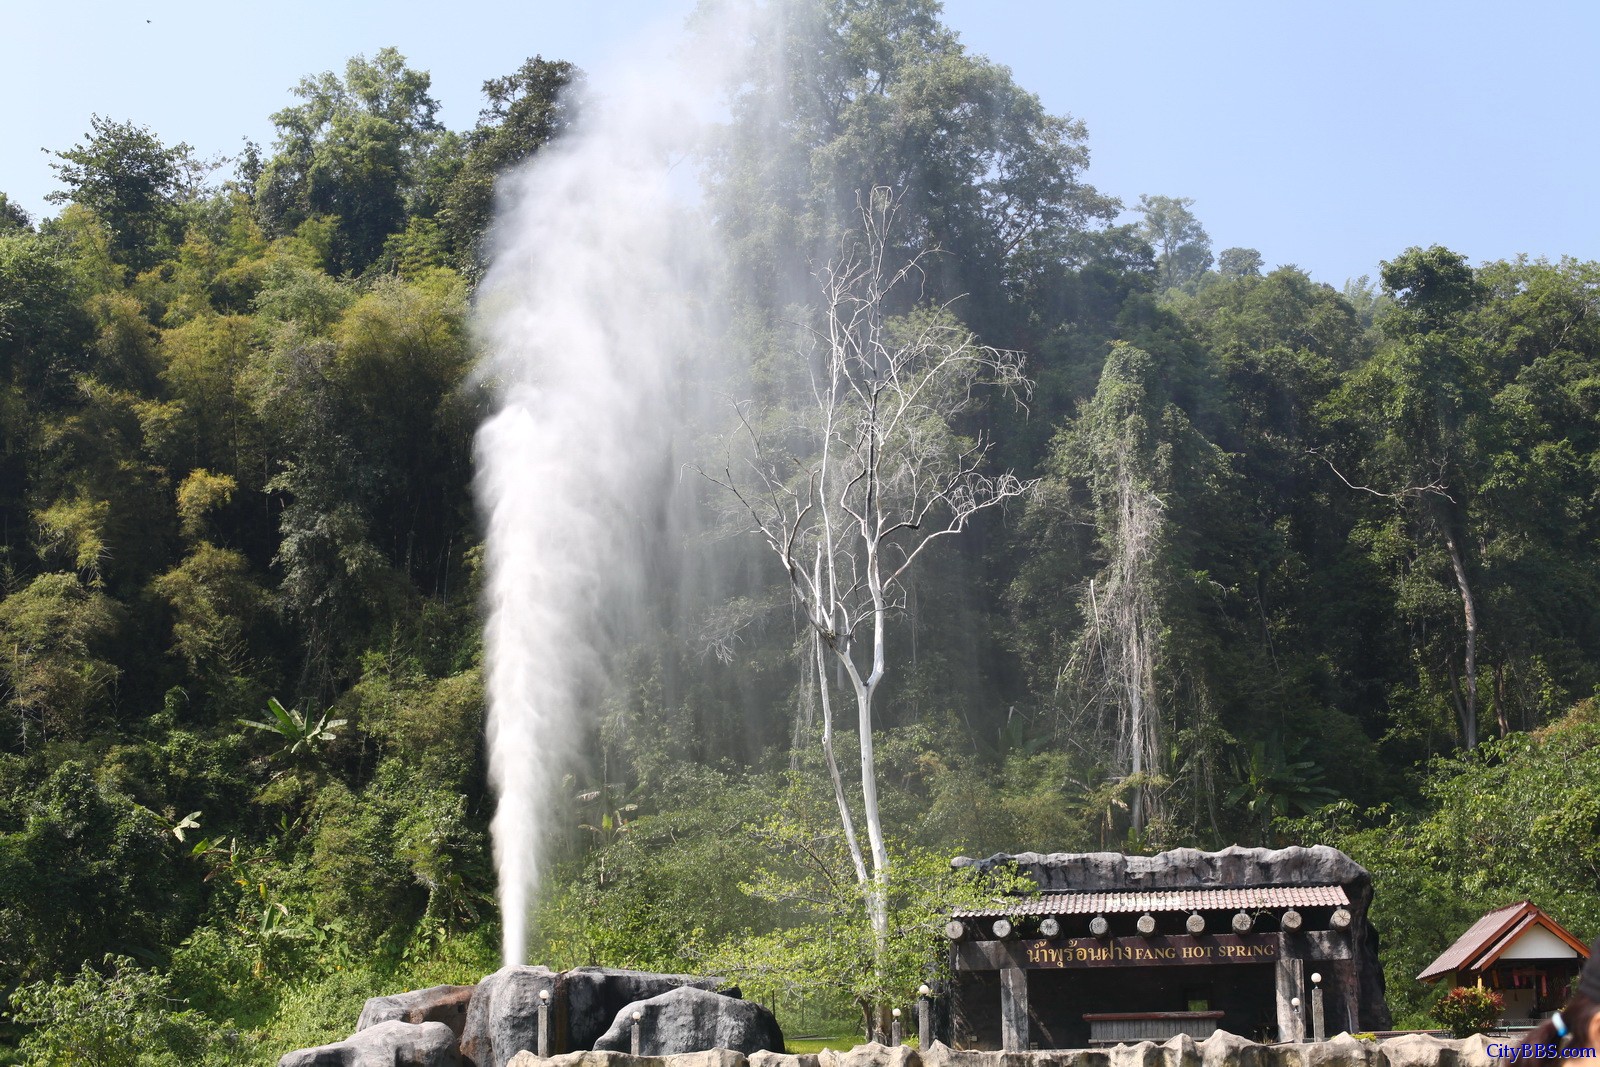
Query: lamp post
(1294, 1002)
(894, 1028)
(1316, 1007)
(924, 1016)
(636, 1043)
(544, 1024)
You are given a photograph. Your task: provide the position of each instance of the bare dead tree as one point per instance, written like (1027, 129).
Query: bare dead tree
(872, 473)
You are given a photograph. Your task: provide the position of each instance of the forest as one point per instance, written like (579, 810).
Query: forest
(1286, 564)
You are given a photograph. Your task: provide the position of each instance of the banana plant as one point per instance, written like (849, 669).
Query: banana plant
(299, 733)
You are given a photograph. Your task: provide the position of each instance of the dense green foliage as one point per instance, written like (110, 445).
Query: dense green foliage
(1345, 547)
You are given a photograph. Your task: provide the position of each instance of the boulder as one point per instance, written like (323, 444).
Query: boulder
(1138, 1054)
(1180, 1051)
(783, 1059)
(1223, 1049)
(1474, 1051)
(582, 1059)
(940, 1054)
(437, 1004)
(872, 1054)
(595, 996)
(1419, 1050)
(387, 1044)
(503, 1016)
(715, 1057)
(1340, 1051)
(693, 1019)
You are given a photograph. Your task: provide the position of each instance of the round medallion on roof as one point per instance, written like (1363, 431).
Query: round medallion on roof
(955, 929)
(1098, 926)
(1290, 920)
(1002, 928)
(1196, 923)
(1242, 922)
(1147, 924)
(1050, 927)
(1340, 919)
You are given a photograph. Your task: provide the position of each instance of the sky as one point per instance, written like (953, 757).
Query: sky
(1331, 135)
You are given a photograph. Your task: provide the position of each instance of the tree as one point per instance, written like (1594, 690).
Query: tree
(1420, 408)
(873, 474)
(51, 634)
(134, 183)
(354, 150)
(1181, 244)
(526, 111)
(850, 97)
(12, 217)
(1239, 263)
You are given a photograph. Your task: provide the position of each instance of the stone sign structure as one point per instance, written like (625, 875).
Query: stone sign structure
(1273, 944)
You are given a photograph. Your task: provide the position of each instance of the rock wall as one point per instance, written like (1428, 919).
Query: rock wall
(1219, 1050)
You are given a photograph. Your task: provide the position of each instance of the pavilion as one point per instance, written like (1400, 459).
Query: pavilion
(1124, 948)
(1520, 952)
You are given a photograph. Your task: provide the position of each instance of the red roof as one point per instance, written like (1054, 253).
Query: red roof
(1143, 900)
(1486, 939)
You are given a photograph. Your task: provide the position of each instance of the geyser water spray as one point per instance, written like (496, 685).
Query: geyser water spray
(594, 305)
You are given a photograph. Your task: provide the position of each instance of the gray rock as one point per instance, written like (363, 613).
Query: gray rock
(1474, 1051)
(387, 1044)
(871, 1054)
(596, 995)
(764, 1058)
(1223, 1049)
(1138, 1054)
(940, 1054)
(437, 1004)
(588, 1058)
(1340, 1051)
(1187, 868)
(1420, 1050)
(716, 1057)
(503, 1017)
(693, 1019)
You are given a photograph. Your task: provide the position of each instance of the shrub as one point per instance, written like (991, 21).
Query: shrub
(1469, 1010)
(122, 1018)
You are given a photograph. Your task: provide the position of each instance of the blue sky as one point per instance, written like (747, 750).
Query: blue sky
(1330, 135)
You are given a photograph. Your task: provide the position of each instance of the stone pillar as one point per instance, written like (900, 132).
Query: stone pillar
(1013, 1009)
(1291, 985)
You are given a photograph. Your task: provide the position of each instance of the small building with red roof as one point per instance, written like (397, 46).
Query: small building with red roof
(1518, 951)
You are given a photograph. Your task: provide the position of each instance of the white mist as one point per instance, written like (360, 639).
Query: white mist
(591, 317)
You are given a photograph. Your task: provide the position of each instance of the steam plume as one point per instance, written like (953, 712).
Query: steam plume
(594, 302)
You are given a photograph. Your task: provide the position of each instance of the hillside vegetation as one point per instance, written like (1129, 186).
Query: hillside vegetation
(1353, 536)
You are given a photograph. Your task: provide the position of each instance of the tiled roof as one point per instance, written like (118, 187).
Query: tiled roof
(1485, 939)
(1143, 900)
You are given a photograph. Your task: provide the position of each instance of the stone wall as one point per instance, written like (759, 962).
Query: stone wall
(1220, 1050)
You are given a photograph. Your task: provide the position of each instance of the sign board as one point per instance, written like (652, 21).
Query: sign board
(1157, 951)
